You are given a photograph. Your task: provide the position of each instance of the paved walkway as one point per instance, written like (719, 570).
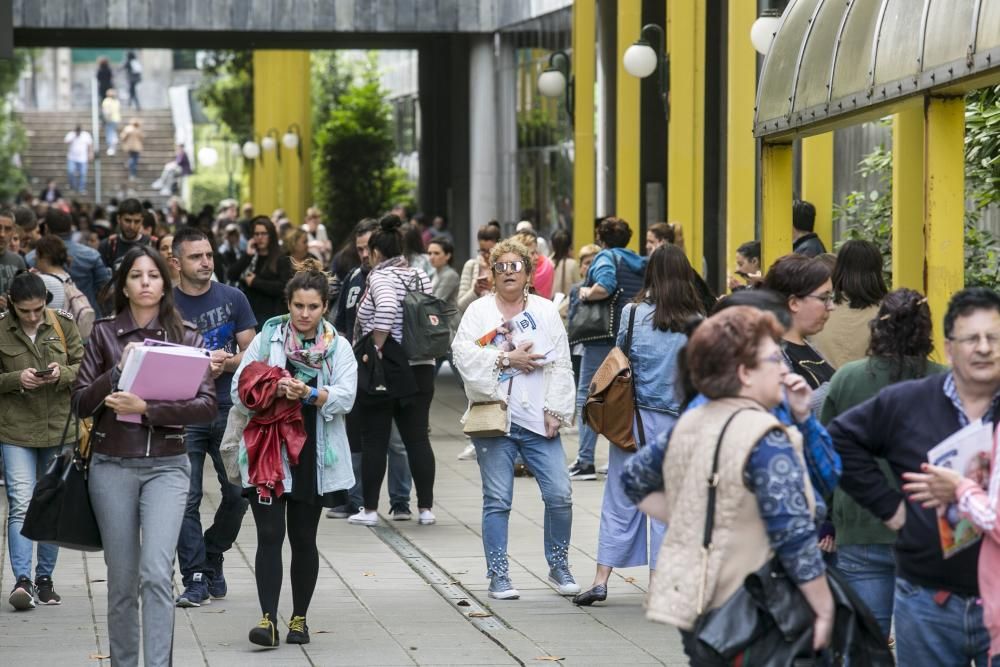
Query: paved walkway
(398, 594)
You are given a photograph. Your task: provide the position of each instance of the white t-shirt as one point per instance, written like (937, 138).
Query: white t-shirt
(79, 146)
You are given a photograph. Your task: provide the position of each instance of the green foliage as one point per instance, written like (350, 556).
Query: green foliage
(536, 127)
(227, 90)
(868, 215)
(209, 187)
(12, 139)
(354, 147)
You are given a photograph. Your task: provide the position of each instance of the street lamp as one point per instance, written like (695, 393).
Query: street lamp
(763, 29)
(269, 142)
(208, 157)
(291, 139)
(556, 79)
(642, 59)
(251, 150)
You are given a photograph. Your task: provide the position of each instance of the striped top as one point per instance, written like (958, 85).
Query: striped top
(381, 306)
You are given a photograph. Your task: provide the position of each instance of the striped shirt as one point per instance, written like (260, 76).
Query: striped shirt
(381, 306)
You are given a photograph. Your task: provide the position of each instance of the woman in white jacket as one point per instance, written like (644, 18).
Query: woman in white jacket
(534, 377)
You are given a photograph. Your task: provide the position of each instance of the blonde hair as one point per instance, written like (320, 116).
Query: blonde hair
(589, 250)
(512, 246)
(527, 238)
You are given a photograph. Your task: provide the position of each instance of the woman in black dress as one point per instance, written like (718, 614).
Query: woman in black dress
(263, 272)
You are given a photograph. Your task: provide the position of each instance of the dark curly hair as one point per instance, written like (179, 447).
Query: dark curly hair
(614, 233)
(901, 333)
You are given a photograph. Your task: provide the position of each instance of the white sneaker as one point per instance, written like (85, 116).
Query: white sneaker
(468, 454)
(364, 518)
(426, 518)
(603, 470)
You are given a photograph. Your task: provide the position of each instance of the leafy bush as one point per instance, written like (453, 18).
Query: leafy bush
(227, 90)
(211, 188)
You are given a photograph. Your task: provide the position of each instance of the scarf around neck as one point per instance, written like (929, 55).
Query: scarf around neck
(307, 357)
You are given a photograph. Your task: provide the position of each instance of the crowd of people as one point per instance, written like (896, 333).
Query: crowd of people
(781, 428)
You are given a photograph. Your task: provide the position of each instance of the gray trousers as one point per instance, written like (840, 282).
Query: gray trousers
(139, 504)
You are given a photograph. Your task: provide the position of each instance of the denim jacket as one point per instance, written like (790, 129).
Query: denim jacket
(654, 360)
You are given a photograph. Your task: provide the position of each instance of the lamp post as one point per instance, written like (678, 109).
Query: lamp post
(642, 59)
(763, 29)
(556, 79)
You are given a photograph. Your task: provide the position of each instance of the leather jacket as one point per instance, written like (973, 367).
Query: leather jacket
(161, 432)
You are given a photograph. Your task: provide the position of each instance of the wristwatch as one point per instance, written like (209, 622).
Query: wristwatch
(505, 360)
(312, 397)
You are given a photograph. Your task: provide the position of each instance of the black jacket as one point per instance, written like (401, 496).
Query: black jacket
(901, 424)
(809, 245)
(267, 293)
(382, 378)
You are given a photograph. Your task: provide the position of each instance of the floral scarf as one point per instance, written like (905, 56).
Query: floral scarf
(306, 358)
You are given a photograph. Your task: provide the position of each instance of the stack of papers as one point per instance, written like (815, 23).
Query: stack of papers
(163, 372)
(517, 331)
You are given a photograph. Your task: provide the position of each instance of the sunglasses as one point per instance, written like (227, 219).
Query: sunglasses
(508, 267)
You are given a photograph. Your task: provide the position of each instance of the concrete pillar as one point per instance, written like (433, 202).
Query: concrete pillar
(817, 182)
(627, 160)
(908, 198)
(741, 159)
(584, 63)
(483, 155)
(776, 203)
(64, 80)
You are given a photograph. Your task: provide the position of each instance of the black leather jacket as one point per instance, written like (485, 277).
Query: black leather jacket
(161, 432)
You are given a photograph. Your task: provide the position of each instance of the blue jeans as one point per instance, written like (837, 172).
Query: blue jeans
(22, 466)
(593, 357)
(400, 483)
(77, 174)
(870, 569)
(133, 163)
(110, 133)
(194, 549)
(933, 635)
(547, 460)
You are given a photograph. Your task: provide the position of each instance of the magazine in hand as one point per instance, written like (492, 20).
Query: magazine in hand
(969, 453)
(160, 371)
(520, 329)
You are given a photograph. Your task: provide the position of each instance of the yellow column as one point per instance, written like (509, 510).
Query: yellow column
(817, 183)
(584, 158)
(627, 186)
(908, 198)
(945, 205)
(685, 134)
(776, 202)
(741, 159)
(281, 98)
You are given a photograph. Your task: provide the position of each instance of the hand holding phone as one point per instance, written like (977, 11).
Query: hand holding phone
(45, 372)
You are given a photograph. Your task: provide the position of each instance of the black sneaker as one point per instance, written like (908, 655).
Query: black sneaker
(216, 579)
(401, 512)
(298, 631)
(265, 634)
(22, 597)
(582, 471)
(46, 591)
(196, 593)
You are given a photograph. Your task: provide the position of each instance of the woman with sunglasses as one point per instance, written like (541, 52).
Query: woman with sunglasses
(534, 378)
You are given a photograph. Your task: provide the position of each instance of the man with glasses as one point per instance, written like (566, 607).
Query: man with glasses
(129, 235)
(938, 614)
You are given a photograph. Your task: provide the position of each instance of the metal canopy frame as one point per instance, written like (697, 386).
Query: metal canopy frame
(968, 59)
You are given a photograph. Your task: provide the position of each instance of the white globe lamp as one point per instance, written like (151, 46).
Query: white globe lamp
(208, 156)
(551, 83)
(640, 59)
(290, 140)
(251, 150)
(268, 143)
(762, 33)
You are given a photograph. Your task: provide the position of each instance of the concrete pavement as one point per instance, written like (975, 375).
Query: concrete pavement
(397, 594)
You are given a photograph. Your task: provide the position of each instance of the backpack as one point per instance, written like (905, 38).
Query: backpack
(77, 303)
(610, 406)
(426, 323)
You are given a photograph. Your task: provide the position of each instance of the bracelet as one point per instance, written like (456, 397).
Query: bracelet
(553, 413)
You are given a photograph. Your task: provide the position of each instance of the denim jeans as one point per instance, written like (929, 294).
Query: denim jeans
(22, 466)
(110, 133)
(593, 357)
(400, 482)
(870, 569)
(547, 460)
(194, 549)
(139, 505)
(932, 635)
(77, 174)
(133, 163)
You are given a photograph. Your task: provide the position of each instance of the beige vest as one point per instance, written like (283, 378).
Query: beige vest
(686, 583)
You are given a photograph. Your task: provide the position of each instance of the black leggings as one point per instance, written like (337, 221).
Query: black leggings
(412, 418)
(303, 522)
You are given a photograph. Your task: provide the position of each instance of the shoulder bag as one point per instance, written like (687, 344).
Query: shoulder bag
(488, 419)
(60, 512)
(595, 320)
(610, 405)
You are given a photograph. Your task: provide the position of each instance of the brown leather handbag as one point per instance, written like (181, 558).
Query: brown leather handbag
(610, 406)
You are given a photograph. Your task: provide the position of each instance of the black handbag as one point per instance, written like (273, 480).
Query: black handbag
(595, 320)
(60, 512)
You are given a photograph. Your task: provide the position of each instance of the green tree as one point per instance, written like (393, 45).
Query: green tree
(12, 139)
(356, 175)
(227, 90)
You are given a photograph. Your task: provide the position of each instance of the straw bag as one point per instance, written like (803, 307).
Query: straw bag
(489, 418)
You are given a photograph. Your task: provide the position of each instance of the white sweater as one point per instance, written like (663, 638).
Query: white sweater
(478, 365)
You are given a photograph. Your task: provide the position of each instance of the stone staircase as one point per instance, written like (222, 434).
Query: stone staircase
(44, 157)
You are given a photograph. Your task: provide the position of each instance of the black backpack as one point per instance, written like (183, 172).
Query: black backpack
(426, 322)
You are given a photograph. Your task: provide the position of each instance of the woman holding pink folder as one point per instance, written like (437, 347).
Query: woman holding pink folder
(139, 471)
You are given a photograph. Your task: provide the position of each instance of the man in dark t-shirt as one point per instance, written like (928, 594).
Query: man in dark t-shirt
(10, 262)
(226, 323)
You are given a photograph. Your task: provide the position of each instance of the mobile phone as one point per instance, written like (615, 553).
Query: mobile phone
(45, 372)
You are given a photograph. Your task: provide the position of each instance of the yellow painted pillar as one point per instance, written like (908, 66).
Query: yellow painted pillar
(686, 131)
(776, 202)
(741, 158)
(627, 107)
(281, 99)
(817, 183)
(945, 205)
(908, 198)
(584, 152)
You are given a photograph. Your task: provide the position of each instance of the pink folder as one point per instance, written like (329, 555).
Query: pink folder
(168, 372)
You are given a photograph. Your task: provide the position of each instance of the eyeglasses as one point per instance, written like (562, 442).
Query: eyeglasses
(972, 341)
(827, 299)
(508, 267)
(776, 358)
